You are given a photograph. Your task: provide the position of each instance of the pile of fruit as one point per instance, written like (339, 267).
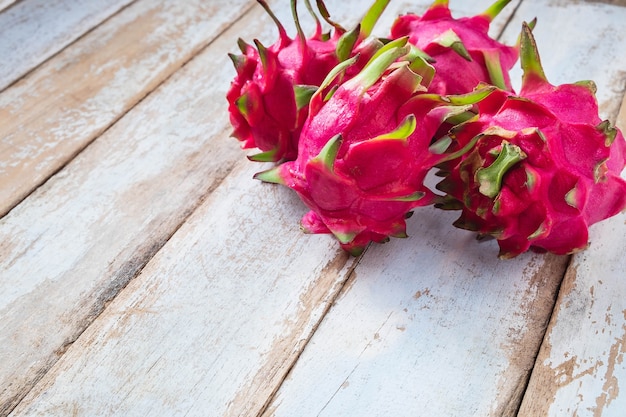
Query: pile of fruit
(354, 124)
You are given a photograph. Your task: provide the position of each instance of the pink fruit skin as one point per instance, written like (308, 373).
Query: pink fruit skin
(454, 74)
(548, 200)
(269, 119)
(272, 121)
(362, 195)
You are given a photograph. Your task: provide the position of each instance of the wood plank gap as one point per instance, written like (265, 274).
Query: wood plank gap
(345, 285)
(508, 21)
(516, 408)
(614, 117)
(564, 295)
(122, 278)
(5, 4)
(146, 93)
(87, 32)
(107, 260)
(560, 295)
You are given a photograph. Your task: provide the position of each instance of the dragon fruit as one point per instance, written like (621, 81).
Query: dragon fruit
(543, 165)
(461, 50)
(364, 150)
(268, 97)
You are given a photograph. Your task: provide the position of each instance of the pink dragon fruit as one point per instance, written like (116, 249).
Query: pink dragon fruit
(461, 50)
(543, 168)
(364, 150)
(268, 97)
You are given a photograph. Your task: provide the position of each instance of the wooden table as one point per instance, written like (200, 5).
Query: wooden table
(143, 272)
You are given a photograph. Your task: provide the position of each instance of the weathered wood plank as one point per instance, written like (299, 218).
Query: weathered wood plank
(159, 313)
(87, 232)
(437, 328)
(579, 368)
(443, 328)
(214, 321)
(581, 365)
(61, 107)
(93, 270)
(67, 249)
(5, 3)
(578, 41)
(33, 30)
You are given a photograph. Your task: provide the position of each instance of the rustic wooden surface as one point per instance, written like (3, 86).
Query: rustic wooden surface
(5, 3)
(143, 271)
(72, 99)
(34, 30)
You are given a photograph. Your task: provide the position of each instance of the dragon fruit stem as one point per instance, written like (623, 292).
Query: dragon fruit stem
(495, 9)
(451, 40)
(490, 178)
(439, 3)
(609, 131)
(529, 57)
(346, 43)
(379, 64)
(326, 16)
(328, 154)
(268, 156)
(296, 21)
(402, 132)
(271, 175)
(494, 68)
(318, 24)
(371, 17)
(284, 38)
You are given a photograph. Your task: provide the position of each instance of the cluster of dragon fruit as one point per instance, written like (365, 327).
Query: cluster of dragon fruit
(354, 123)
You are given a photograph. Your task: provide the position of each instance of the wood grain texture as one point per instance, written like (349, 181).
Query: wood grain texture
(98, 223)
(57, 110)
(5, 3)
(446, 330)
(74, 243)
(214, 321)
(578, 40)
(434, 325)
(86, 232)
(581, 368)
(33, 30)
(131, 313)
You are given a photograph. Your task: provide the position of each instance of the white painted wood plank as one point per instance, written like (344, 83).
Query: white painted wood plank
(85, 233)
(581, 368)
(445, 329)
(214, 321)
(5, 3)
(440, 327)
(578, 40)
(580, 365)
(89, 228)
(67, 249)
(33, 30)
(62, 106)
